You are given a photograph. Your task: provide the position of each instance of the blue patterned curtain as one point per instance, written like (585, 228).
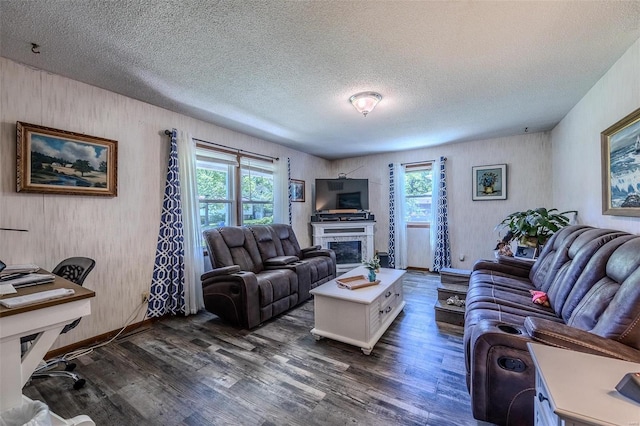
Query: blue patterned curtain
(392, 216)
(440, 229)
(397, 218)
(167, 285)
(289, 190)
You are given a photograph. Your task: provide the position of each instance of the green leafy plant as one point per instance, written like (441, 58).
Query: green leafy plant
(373, 264)
(535, 227)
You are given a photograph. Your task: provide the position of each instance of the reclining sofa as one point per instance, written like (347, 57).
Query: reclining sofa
(260, 271)
(592, 280)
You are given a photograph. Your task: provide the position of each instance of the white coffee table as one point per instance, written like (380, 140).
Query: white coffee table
(358, 317)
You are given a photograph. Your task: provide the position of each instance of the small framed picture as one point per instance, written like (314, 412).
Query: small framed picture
(296, 190)
(524, 252)
(489, 182)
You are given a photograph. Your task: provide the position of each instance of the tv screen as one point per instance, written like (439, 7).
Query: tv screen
(342, 194)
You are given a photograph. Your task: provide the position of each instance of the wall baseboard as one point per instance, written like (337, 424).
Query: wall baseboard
(416, 268)
(139, 326)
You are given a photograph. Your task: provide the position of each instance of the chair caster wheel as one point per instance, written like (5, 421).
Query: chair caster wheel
(70, 367)
(79, 384)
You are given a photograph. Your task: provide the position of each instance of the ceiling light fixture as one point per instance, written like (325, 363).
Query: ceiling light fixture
(365, 102)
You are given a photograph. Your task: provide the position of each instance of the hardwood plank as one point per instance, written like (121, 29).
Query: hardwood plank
(197, 370)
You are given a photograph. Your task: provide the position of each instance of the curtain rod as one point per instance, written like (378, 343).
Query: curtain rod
(423, 161)
(168, 133)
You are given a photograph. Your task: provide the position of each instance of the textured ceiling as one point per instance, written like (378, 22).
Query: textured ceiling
(283, 70)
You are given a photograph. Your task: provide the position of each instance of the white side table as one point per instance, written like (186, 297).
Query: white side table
(575, 389)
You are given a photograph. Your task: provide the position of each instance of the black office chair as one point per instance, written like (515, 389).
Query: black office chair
(74, 269)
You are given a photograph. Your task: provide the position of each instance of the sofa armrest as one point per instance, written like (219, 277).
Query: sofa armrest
(515, 262)
(316, 253)
(233, 297)
(567, 337)
(225, 270)
(312, 248)
(280, 261)
(515, 267)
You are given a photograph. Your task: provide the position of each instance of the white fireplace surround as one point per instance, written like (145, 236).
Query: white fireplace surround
(344, 231)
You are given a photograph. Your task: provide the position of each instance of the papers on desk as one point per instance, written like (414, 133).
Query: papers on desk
(19, 269)
(13, 277)
(27, 280)
(7, 289)
(27, 299)
(9, 283)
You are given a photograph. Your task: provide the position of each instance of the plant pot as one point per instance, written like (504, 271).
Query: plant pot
(372, 275)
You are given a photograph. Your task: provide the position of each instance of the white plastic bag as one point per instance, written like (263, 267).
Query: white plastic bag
(31, 413)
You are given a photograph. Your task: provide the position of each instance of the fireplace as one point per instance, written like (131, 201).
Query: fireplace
(347, 251)
(352, 241)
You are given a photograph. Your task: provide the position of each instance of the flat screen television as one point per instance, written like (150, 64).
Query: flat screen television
(342, 194)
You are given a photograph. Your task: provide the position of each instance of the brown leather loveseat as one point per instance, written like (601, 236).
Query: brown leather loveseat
(592, 279)
(260, 271)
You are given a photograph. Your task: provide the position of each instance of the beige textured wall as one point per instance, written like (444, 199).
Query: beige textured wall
(471, 223)
(119, 233)
(577, 147)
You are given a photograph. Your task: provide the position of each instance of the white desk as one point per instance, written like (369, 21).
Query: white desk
(47, 318)
(575, 389)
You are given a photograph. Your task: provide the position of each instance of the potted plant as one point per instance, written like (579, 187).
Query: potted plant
(373, 266)
(533, 228)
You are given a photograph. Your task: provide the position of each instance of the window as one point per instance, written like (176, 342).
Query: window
(233, 189)
(418, 185)
(257, 192)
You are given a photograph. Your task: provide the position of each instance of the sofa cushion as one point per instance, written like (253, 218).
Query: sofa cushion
(611, 308)
(288, 240)
(276, 284)
(231, 245)
(553, 256)
(269, 246)
(592, 273)
(278, 292)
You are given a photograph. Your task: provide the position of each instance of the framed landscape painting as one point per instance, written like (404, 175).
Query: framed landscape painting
(489, 182)
(621, 167)
(53, 161)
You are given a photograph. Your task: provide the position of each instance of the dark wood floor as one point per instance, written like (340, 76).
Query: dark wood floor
(198, 371)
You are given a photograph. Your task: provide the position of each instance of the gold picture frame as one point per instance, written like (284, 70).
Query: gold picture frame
(53, 161)
(621, 167)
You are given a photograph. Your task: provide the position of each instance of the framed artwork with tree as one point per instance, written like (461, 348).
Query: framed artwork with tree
(52, 161)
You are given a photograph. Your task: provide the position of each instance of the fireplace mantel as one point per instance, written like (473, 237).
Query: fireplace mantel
(344, 233)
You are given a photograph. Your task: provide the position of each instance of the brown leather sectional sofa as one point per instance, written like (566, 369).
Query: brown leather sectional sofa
(592, 279)
(260, 271)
